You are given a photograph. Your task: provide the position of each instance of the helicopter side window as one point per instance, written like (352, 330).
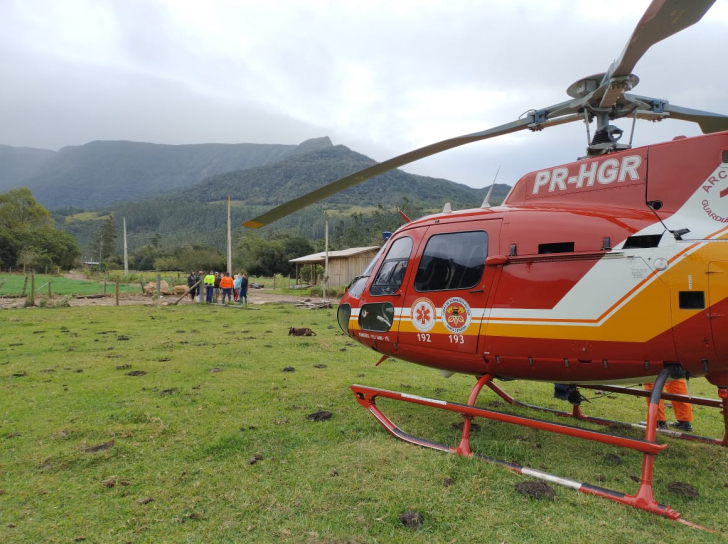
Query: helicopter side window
(391, 273)
(452, 261)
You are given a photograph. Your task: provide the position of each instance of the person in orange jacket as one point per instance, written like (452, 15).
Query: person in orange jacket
(683, 410)
(226, 284)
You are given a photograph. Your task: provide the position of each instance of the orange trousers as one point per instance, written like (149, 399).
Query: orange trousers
(683, 410)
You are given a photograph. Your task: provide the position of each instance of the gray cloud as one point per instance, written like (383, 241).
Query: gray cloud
(380, 77)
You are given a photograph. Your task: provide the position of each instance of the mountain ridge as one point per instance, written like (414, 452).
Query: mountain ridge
(294, 176)
(102, 172)
(20, 163)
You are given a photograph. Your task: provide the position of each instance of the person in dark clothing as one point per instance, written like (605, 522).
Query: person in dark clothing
(243, 290)
(192, 280)
(570, 393)
(561, 391)
(218, 277)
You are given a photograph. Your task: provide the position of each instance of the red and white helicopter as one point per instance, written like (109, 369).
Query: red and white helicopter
(611, 269)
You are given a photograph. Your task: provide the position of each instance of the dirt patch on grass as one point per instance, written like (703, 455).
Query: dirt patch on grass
(536, 489)
(682, 488)
(411, 519)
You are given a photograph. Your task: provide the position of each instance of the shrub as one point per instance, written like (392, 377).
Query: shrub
(331, 292)
(63, 302)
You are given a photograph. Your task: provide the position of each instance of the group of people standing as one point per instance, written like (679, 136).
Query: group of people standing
(233, 289)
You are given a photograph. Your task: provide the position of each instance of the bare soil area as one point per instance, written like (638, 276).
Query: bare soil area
(255, 296)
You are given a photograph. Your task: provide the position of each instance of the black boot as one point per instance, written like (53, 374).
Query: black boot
(682, 426)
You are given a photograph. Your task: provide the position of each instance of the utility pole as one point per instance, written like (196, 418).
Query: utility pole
(126, 256)
(229, 243)
(326, 260)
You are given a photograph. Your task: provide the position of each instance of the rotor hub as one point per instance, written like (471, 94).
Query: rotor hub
(585, 86)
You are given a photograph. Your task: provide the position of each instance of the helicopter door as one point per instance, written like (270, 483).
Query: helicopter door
(718, 312)
(689, 300)
(445, 299)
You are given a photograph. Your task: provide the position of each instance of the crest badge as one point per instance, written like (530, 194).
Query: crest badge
(456, 315)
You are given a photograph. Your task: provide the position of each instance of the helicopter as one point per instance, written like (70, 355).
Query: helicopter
(605, 271)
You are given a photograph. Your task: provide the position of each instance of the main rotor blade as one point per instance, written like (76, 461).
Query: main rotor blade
(709, 122)
(662, 19)
(655, 109)
(534, 121)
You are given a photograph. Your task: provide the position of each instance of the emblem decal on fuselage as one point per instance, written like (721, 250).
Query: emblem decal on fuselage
(424, 314)
(716, 189)
(456, 315)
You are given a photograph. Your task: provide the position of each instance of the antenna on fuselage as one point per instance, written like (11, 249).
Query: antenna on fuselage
(486, 202)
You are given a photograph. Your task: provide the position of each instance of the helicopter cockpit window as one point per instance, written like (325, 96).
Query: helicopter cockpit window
(391, 273)
(357, 285)
(452, 261)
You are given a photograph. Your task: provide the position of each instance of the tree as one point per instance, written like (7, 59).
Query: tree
(263, 257)
(165, 263)
(103, 243)
(60, 247)
(19, 210)
(145, 256)
(199, 257)
(27, 235)
(33, 258)
(9, 248)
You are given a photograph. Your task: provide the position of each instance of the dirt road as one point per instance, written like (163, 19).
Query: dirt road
(255, 296)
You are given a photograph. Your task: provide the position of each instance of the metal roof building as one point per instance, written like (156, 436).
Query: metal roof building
(344, 265)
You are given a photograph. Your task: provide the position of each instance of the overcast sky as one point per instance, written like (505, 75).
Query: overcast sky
(380, 77)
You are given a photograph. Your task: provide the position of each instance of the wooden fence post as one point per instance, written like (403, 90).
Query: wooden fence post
(50, 293)
(32, 289)
(117, 289)
(25, 287)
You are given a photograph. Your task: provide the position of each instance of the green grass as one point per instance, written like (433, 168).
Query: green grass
(184, 436)
(64, 286)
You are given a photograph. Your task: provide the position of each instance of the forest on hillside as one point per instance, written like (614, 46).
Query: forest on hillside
(173, 199)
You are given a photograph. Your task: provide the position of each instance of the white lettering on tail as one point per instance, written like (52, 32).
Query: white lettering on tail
(605, 172)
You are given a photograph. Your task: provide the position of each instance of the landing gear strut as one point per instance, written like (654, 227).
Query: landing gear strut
(643, 499)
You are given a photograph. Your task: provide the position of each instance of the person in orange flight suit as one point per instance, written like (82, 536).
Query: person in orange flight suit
(683, 410)
(226, 284)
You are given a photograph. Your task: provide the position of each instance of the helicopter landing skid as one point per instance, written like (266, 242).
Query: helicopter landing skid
(577, 413)
(643, 499)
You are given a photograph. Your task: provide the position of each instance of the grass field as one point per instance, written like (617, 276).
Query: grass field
(178, 424)
(86, 216)
(61, 286)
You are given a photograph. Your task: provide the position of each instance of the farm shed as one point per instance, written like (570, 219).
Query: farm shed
(344, 265)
